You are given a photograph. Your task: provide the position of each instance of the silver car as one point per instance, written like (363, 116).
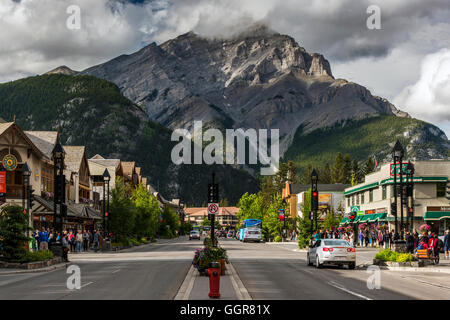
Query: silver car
(331, 251)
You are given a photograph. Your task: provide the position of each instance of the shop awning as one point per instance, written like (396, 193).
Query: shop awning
(362, 188)
(436, 215)
(345, 220)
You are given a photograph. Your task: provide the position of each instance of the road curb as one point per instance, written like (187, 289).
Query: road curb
(407, 269)
(46, 269)
(186, 287)
(239, 288)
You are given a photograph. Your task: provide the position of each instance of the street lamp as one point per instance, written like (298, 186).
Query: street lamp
(314, 197)
(409, 194)
(397, 156)
(284, 219)
(59, 186)
(26, 173)
(106, 178)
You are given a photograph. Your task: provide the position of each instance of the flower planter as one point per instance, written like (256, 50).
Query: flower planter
(412, 264)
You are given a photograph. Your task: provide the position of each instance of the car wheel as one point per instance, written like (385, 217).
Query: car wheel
(318, 265)
(351, 266)
(308, 260)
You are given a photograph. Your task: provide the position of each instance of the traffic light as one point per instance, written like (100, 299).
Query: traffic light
(63, 210)
(314, 200)
(282, 217)
(30, 197)
(213, 193)
(394, 209)
(352, 216)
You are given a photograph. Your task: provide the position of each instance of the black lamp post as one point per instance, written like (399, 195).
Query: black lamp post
(397, 156)
(26, 173)
(314, 195)
(106, 178)
(284, 220)
(59, 188)
(409, 194)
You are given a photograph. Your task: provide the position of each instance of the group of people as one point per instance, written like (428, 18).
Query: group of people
(72, 241)
(349, 236)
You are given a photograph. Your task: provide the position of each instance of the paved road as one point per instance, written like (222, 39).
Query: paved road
(153, 271)
(274, 272)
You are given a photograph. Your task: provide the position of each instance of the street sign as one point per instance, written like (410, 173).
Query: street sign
(281, 212)
(213, 208)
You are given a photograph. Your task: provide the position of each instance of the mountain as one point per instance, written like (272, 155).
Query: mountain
(92, 112)
(257, 79)
(63, 70)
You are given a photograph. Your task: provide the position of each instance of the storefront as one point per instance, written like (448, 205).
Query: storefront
(438, 218)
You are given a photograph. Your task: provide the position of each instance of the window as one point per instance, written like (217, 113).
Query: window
(440, 189)
(353, 200)
(348, 201)
(362, 198)
(384, 193)
(357, 199)
(371, 195)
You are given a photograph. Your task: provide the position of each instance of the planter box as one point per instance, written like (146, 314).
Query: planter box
(412, 264)
(31, 265)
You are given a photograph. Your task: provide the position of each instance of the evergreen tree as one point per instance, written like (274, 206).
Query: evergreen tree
(281, 177)
(306, 174)
(325, 176)
(347, 169)
(292, 173)
(337, 173)
(369, 166)
(13, 227)
(122, 214)
(356, 172)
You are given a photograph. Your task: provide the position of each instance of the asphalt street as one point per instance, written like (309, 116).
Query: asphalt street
(277, 272)
(153, 271)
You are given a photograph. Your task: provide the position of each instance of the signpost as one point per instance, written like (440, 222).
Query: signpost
(213, 204)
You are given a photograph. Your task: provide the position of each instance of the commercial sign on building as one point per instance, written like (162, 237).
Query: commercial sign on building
(404, 164)
(438, 209)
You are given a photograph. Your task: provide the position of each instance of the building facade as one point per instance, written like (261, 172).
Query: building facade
(372, 199)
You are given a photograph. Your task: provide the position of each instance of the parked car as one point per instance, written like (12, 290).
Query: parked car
(331, 251)
(194, 235)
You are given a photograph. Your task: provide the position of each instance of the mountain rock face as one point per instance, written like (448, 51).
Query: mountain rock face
(63, 70)
(257, 79)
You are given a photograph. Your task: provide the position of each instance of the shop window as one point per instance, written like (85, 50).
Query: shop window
(371, 195)
(348, 201)
(440, 189)
(353, 200)
(362, 198)
(384, 192)
(357, 199)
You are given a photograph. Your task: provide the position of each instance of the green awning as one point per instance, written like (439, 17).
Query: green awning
(345, 220)
(436, 215)
(362, 188)
(381, 216)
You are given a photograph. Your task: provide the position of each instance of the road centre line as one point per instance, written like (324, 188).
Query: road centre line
(338, 286)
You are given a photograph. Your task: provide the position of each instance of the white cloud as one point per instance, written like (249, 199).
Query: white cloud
(429, 97)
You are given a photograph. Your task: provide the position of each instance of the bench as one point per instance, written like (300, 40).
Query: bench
(424, 254)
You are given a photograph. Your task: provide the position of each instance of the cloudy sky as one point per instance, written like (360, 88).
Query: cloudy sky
(406, 61)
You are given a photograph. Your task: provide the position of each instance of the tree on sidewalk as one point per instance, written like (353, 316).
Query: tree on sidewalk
(13, 227)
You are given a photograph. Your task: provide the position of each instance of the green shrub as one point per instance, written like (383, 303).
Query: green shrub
(135, 242)
(125, 242)
(277, 239)
(36, 256)
(143, 240)
(405, 257)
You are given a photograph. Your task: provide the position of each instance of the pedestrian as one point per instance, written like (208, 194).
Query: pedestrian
(91, 239)
(96, 240)
(447, 244)
(416, 238)
(79, 241)
(409, 242)
(71, 238)
(361, 238)
(65, 245)
(43, 240)
(85, 241)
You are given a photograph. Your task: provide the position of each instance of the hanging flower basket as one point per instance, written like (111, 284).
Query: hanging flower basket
(425, 228)
(362, 226)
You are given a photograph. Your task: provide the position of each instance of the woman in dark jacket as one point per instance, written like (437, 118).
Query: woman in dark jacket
(409, 242)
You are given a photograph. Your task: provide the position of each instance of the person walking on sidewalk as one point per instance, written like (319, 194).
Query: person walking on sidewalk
(79, 241)
(85, 241)
(409, 242)
(96, 240)
(447, 245)
(65, 245)
(43, 240)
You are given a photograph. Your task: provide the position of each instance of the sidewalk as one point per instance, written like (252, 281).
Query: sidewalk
(6, 271)
(196, 287)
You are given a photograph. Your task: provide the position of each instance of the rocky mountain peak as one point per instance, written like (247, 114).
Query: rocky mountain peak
(62, 70)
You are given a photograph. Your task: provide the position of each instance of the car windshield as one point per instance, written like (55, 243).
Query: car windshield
(194, 232)
(336, 243)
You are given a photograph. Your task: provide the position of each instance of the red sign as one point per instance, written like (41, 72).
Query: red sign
(2, 181)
